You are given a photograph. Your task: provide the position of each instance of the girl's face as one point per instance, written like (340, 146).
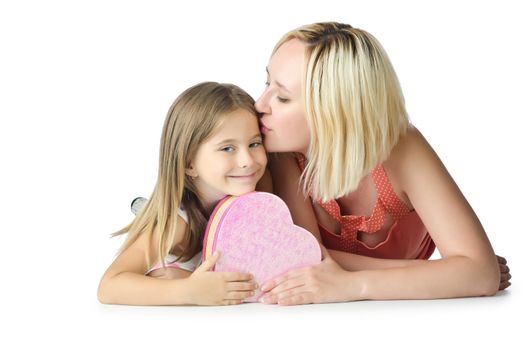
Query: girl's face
(231, 160)
(283, 121)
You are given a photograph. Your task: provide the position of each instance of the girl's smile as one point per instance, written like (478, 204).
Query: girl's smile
(231, 161)
(249, 177)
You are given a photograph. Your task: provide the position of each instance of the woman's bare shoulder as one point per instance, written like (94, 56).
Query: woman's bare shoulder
(410, 149)
(409, 144)
(412, 154)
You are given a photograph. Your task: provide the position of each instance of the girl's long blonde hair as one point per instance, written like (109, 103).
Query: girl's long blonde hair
(191, 119)
(354, 106)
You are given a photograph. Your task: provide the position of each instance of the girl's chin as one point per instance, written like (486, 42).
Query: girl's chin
(242, 192)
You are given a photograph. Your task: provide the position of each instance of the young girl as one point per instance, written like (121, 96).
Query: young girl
(375, 192)
(211, 147)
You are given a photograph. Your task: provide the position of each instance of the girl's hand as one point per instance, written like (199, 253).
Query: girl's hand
(321, 283)
(219, 288)
(505, 273)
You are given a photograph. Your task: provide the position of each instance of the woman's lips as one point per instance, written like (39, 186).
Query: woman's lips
(264, 129)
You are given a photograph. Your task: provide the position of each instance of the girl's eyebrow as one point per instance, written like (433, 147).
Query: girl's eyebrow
(234, 141)
(279, 84)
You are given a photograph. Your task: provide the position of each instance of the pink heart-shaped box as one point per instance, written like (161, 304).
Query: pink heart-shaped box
(256, 234)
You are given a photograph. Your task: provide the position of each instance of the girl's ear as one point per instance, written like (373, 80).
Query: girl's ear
(191, 171)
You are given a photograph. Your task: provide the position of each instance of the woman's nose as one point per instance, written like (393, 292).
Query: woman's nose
(262, 105)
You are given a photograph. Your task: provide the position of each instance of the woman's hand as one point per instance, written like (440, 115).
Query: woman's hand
(505, 273)
(207, 287)
(321, 283)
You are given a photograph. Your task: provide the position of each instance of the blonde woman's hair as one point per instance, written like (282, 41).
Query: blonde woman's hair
(191, 119)
(354, 106)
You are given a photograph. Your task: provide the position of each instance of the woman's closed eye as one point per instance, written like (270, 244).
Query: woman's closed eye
(280, 99)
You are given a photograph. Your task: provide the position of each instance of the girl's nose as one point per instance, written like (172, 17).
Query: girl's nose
(245, 159)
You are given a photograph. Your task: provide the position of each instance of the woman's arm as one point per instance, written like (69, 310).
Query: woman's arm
(355, 262)
(468, 266)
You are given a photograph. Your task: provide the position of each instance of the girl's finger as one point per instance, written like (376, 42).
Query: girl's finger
(239, 295)
(241, 286)
(208, 264)
(237, 277)
(504, 268)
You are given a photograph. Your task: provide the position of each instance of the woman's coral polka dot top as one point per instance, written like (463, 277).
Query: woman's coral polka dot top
(407, 238)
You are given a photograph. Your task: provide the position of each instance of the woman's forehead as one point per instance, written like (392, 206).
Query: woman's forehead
(289, 53)
(286, 64)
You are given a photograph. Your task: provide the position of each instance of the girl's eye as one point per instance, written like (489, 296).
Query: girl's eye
(255, 144)
(267, 83)
(227, 149)
(282, 100)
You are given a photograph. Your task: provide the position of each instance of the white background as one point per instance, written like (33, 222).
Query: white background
(84, 89)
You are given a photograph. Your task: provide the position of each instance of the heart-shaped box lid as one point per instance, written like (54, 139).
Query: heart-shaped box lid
(256, 234)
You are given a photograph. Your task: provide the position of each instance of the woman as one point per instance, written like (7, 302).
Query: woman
(355, 173)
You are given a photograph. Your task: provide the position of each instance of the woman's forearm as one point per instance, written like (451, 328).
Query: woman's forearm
(354, 262)
(134, 289)
(450, 277)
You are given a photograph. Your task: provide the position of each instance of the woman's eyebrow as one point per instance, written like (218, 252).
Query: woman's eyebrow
(279, 84)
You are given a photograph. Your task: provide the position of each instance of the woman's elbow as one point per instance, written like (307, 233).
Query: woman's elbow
(489, 279)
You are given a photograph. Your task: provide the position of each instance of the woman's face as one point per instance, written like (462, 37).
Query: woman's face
(283, 121)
